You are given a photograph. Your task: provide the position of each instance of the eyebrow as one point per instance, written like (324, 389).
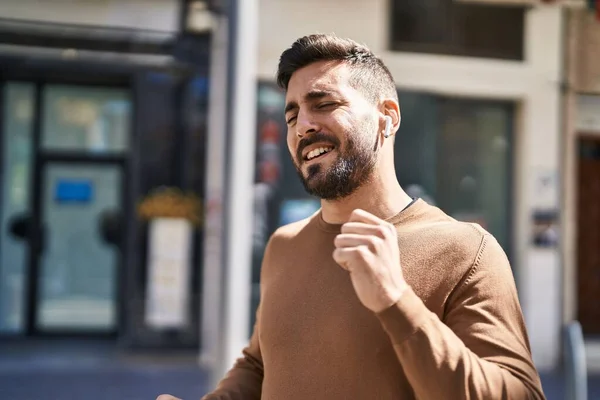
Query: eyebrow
(312, 95)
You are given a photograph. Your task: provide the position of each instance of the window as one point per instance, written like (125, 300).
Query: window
(457, 154)
(83, 118)
(453, 28)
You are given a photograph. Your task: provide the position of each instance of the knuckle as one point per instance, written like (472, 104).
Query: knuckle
(390, 229)
(382, 231)
(336, 254)
(362, 253)
(342, 255)
(375, 243)
(337, 240)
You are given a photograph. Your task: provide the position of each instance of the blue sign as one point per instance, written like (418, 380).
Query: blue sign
(73, 191)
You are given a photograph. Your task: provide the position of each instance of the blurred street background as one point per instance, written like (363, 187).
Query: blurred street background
(143, 166)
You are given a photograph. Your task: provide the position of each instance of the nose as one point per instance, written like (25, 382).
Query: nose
(305, 125)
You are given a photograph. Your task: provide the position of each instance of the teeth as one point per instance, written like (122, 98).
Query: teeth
(317, 152)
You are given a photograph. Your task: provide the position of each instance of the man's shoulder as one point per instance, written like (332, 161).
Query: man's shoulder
(293, 231)
(436, 228)
(431, 217)
(453, 251)
(287, 237)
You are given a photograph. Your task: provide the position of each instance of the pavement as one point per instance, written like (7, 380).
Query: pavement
(95, 371)
(55, 370)
(554, 386)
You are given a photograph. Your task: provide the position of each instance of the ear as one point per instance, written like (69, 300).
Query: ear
(391, 108)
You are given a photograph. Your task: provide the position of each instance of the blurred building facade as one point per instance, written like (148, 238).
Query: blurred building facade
(103, 106)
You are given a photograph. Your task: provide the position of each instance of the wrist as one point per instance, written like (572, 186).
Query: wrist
(392, 297)
(405, 317)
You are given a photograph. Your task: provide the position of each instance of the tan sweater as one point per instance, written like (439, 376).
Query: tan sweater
(457, 334)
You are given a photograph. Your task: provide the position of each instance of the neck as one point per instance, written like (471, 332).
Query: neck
(383, 198)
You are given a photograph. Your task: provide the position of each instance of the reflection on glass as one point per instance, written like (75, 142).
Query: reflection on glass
(77, 267)
(456, 153)
(86, 119)
(18, 123)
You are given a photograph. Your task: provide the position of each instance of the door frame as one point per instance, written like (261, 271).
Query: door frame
(42, 159)
(580, 137)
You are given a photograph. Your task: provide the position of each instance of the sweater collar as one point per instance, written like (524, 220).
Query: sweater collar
(413, 210)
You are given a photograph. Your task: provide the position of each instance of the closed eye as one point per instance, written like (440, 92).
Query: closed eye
(292, 119)
(325, 105)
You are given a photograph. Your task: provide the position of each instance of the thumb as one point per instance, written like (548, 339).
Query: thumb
(166, 397)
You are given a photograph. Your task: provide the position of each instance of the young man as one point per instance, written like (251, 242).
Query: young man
(376, 296)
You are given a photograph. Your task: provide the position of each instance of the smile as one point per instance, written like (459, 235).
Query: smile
(318, 152)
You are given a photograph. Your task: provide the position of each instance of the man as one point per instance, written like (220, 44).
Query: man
(377, 295)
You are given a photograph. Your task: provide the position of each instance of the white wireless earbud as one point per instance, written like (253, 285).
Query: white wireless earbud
(388, 126)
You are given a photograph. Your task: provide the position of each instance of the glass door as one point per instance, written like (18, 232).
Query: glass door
(78, 192)
(63, 151)
(77, 264)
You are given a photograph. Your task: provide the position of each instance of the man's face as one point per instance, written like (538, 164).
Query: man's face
(332, 130)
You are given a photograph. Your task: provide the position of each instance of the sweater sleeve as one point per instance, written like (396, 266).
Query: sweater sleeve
(244, 380)
(480, 350)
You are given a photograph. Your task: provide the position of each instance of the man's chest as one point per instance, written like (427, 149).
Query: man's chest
(306, 298)
(311, 302)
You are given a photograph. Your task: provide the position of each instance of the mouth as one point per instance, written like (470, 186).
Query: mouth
(318, 152)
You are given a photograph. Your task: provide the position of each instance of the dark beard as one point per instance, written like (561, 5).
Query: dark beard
(349, 171)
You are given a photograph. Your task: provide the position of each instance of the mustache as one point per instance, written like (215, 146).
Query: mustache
(317, 137)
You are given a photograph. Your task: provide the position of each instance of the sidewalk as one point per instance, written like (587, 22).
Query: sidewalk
(554, 386)
(98, 371)
(94, 372)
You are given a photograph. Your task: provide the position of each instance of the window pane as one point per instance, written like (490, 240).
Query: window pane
(86, 119)
(456, 154)
(447, 27)
(416, 156)
(77, 267)
(424, 22)
(18, 125)
(474, 163)
(484, 31)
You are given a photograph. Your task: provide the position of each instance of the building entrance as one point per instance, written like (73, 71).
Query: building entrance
(64, 171)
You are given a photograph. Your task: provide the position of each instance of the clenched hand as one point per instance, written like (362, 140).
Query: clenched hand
(367, 248)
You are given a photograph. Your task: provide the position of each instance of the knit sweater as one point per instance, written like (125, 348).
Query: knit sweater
(456, 333)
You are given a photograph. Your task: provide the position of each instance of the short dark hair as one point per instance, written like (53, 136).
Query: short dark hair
(371, 76)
